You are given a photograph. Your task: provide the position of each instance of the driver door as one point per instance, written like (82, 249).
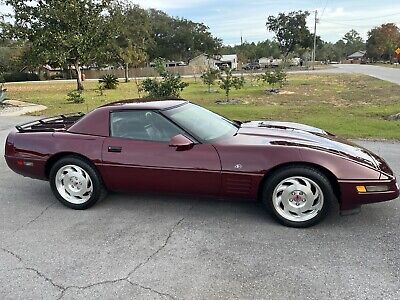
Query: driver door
(137, 157)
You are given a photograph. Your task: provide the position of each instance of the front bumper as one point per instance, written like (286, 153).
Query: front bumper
(351, 199)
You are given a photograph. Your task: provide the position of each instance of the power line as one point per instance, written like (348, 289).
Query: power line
(326, 4)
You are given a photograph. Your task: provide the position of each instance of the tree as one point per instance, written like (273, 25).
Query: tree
(228, 81)
(132, 34)
(170, 85)
(209, 77)
(290, 31)
(353, 42)
(278, 76)
(383, 41)
(252, 51)
(179, 39)
(63, 32)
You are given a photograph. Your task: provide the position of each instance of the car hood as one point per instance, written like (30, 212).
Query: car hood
(300, 135)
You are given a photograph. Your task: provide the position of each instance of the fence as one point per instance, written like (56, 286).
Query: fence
(137, 72)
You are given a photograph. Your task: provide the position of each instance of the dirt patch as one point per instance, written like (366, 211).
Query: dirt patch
(230, 101)
(278, 92)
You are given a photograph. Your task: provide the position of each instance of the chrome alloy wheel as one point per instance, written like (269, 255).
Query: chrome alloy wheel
(74, 184)
(298, 199)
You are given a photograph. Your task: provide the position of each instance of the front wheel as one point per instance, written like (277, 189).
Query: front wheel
(298, 196)
(76, 183)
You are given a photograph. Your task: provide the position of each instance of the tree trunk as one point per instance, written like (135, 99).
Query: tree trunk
(79, 76)
(126, 72)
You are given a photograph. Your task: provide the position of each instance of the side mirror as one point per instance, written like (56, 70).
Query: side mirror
(181, 143)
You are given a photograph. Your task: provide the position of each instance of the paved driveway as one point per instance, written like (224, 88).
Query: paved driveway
(168, 247)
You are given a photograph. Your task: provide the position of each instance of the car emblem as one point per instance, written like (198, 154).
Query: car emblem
(238, 166)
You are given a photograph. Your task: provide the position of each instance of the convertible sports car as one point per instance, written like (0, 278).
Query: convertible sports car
(174, 146)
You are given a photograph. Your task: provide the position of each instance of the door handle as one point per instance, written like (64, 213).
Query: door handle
(115, 149)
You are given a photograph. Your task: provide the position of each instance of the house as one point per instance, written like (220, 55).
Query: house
(228, 60)
(170, 64)
(357, 57)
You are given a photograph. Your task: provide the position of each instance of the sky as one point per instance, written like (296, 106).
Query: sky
(229, 19)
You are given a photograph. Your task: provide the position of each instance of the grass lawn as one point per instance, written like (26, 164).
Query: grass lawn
(354, 106)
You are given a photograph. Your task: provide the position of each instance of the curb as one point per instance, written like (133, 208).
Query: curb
(20, 108)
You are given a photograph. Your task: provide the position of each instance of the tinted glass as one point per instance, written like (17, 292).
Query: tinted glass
(201, 122)
(142, 125)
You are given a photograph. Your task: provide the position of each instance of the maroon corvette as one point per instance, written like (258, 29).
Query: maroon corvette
(174, 146)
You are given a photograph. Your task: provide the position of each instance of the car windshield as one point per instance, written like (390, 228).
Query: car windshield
(201, 123)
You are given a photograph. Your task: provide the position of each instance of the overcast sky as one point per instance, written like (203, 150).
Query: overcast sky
(228, 19)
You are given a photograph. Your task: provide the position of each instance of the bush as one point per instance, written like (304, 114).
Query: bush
(277, 76)
(170, 85)
(209, 77)
(57, 76)
(109, 81)
(75, 97)
(229, 81)
(20, 76)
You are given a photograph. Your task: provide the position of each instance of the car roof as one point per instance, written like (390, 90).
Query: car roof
(141, 103)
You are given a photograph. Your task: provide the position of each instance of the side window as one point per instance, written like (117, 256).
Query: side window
(142, 125)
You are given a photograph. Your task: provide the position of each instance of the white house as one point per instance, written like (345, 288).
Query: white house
(202, 61)
(230, 60)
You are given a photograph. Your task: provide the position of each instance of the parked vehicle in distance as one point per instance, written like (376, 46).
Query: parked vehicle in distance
(252, 66)
(296, 171)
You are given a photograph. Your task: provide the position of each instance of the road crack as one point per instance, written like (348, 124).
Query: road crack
(161, 294)
(40, 274)
(64, 289)
(138, 266)
(12, 253)
(35, 218)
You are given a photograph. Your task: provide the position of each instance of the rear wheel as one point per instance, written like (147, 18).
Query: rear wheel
(298, 196)
(76, 183)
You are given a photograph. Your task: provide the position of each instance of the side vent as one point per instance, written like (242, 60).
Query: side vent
(237, 184)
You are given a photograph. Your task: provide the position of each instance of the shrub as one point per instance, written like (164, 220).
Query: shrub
(100, 90)
(57, 76)
(169, 86)
(20, 76)
(229, 81)
(209, 77)
(109, 81)
(75, 97)
(276, 77)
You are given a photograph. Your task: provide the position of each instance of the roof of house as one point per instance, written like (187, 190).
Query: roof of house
(357, 54)
(228, 57)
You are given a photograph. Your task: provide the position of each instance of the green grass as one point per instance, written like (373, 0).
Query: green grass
(354, 106)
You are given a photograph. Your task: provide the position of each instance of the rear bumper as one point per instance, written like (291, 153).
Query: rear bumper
(28, 167)
(351, 199)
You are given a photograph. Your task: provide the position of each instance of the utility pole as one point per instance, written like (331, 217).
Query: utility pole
(315, 40)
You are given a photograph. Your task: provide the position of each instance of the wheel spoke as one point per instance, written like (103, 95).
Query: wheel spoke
(301, 198)
(74, 184)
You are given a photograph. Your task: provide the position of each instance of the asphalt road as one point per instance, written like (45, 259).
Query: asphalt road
(168, 247)
(384, 73)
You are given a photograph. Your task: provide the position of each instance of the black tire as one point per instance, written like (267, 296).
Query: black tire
(307, 172)
(98, 192)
